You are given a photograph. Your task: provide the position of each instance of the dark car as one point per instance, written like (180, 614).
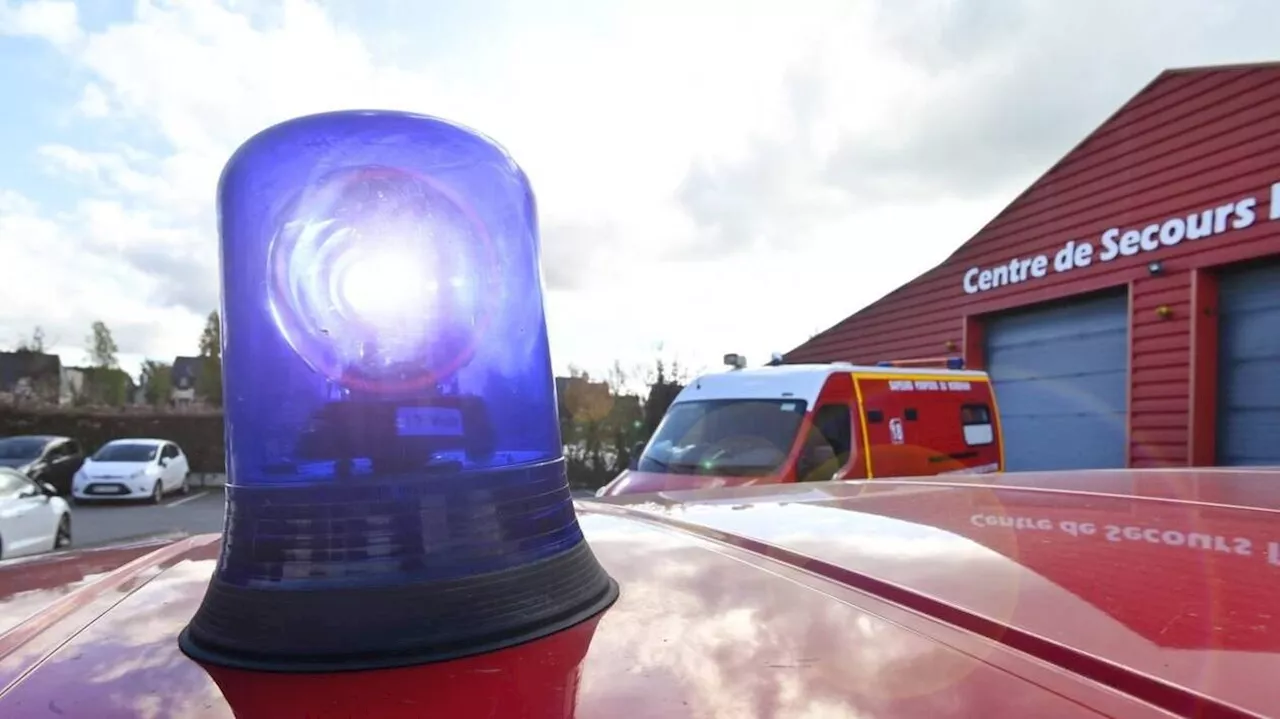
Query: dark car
(43, 458)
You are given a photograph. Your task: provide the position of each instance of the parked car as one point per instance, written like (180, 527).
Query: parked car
(43, 458)
(133, 469)
(33, 518)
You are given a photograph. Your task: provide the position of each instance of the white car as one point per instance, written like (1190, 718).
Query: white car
(33, 518)
(132, 469)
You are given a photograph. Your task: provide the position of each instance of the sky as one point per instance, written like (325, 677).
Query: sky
(712, 176)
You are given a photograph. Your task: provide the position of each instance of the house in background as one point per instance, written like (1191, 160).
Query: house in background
(30, 377)
(71, 385)
(40, 378)
(184, 376)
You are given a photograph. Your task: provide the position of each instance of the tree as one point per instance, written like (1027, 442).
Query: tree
(157, 381)
(209, 380)
(602, 420)
(663, 388)
(108, 385)
(103, 351)
(584, 405)
(34, 343)
(626, 417)
(211, 336)
(104, 381)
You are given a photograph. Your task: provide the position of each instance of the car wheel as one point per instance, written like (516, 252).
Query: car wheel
(62, 539)
(157, 493)
(186, 484)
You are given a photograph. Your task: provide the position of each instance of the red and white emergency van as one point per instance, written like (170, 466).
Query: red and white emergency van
(818, 422)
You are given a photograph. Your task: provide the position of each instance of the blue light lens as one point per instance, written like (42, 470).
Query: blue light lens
(389, 397)
(383, 305)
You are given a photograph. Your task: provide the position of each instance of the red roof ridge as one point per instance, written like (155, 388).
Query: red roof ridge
(1223, 67)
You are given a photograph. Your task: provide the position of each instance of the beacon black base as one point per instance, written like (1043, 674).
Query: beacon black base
(339, 630)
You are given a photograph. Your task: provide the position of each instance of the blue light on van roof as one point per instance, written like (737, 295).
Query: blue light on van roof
(949, 363)
(395, 471)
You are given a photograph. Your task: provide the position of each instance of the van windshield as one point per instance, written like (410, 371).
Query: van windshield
(736, 437)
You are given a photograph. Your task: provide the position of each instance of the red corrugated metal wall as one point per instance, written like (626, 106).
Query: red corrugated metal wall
(1190, 141)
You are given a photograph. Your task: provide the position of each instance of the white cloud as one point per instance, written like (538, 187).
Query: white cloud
(76, 288)
(716, 176)
(93, 102)
(54, 20)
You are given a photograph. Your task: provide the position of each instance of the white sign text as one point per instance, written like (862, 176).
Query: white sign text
(1118, 242)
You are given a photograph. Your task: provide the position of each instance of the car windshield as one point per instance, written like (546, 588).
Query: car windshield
(21, 447)
(125, 452)
(740, 438)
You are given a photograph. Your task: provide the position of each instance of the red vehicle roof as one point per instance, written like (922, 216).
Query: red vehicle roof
(1108, 593)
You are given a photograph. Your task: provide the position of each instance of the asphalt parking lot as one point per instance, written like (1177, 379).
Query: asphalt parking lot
(195, 513)
(199, 512)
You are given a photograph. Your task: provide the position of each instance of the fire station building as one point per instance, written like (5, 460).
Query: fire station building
(1127, 304)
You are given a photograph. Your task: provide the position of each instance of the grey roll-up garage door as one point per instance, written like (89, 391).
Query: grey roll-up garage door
(1249, 367)
(1060, 374)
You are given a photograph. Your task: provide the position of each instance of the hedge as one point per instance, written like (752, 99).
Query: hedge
(200, 434)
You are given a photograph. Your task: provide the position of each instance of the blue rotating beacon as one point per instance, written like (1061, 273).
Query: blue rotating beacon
(396, 487)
